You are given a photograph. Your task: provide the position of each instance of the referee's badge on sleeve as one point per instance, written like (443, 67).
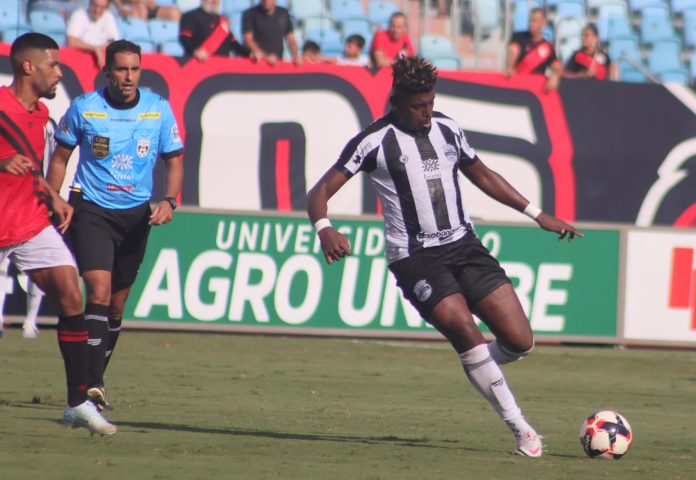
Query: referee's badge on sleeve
(143, 148)
(100, 146)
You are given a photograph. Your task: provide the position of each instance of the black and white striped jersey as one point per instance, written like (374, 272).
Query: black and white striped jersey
(416, 179)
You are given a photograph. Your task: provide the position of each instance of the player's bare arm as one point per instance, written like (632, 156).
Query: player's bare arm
(495, 186)
(335, 245)
(57, 167)
(163, 211)
(16, 165)
(62, 209)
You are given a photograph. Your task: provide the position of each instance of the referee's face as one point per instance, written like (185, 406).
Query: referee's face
(414, 112)
(124, 75)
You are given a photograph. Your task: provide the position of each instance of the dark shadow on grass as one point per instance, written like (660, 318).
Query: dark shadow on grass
(312, 437)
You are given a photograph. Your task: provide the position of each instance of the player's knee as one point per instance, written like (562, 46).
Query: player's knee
(504, 353)
(70, 300)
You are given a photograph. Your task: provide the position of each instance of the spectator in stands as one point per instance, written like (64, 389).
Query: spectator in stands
(530, 53)
(264, 27)
(590, 61)
(353, 52)
(63, 7)
(147, 10)
(387, 45)
(92, 29)
(311, 53)
(204, 33)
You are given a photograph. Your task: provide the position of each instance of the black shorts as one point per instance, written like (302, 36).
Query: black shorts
(109, 239)
(464, 266)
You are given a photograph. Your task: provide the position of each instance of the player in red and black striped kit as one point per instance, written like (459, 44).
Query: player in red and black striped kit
(26, 234)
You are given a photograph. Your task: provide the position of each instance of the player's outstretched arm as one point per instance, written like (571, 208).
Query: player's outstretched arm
(335, 245)
(57, 167)
(496, 187)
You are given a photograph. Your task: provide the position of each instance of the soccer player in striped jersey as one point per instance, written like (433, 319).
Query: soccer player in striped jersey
(26, 234)
(412, 155)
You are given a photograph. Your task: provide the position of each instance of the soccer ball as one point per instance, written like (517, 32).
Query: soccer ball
(606, 434)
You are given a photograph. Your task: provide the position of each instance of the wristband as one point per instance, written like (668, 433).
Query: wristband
(321, 224)
(532, 211)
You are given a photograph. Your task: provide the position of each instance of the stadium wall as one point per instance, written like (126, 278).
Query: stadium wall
(257, 137)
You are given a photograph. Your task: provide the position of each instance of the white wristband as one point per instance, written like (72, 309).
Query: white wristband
(321, 224)
(532, 211)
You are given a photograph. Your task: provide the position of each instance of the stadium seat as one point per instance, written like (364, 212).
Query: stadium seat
(346, 9)
(230, 7)
(378, 12)
(629, 73)
(618, 27)
(186, 5)
(9, 34)
(681, 6)
(162, 31)
(667, 46)
(318, 23)
(606, 11)
(569, 8)
(447, 63)
(486, 15)
(136, 31)
(662, 61)
(624, 47)
(568, 36)
(655, 26)
(302, 9)
(690, 28)
(173, 49)
(50, 23)
(680, 75)
(692, 64)
(329, 40)
(637, 6)
(433, 46)
(235, 21)
(356, 26)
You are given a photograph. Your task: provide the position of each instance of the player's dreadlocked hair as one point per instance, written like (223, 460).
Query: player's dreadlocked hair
(413, 75)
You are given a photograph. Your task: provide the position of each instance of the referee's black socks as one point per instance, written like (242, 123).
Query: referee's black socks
(97, 320)
(114, 331)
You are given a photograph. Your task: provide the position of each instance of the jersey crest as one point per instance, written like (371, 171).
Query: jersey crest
(100, 147)
(143, 148)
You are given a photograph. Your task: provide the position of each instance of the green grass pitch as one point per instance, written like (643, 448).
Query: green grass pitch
(202, 406)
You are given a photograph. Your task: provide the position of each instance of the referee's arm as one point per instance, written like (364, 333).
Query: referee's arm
(58, 165)
(174, 164)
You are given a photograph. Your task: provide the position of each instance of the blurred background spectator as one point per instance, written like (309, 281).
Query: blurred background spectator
(388, 44)
(147, 10)
(63, 7)
(203, 33)
(590, 61)
(265, 26)
(353, 52)
(92, 29)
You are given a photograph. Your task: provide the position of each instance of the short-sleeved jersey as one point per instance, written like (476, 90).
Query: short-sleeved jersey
(268, 30)
(416, 178)
(534, 57)
(119, 145)
(581, 61)
(391, 48)
(23, 211)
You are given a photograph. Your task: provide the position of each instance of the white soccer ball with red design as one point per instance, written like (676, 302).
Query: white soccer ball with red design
(606, 434)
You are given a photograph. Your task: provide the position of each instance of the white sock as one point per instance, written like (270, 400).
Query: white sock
(502, 355)
(33, 305)
(4, 278)
(485, 374)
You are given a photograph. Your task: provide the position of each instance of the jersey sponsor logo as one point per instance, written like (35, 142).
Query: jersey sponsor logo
(431, 168)
(119, 188)
(94, 114)
(450, 153)
(423, 290)
(150, 115)
(143, 148)
(122, 161)
(100, 146)
(441, 234)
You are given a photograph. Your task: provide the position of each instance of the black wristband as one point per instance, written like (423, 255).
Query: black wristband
(172, 202)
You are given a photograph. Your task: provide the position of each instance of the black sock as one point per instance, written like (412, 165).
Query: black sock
(98, 328)
(72, 341)
(114, 331)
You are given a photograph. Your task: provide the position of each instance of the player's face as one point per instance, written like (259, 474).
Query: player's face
(124, 76)
(536, 23)
(46, 72)
(397, 27)
(414, 112)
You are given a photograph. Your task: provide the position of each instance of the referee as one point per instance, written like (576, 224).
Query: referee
(121, 131)
(412, 156)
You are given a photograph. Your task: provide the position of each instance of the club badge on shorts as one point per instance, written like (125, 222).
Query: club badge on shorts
(100, 146)
(422, 289)
(143, 148)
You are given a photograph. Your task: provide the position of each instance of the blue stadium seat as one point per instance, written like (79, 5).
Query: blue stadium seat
(235, 21)
(434, 46)
(378, 12)
(346, 9)
(618, 27)
(681, 6)
(624, 46)
(655, 26)
(9, 34)
(568, 36)
(318, 23)
(230, 7)
(667, 66)
(50, 23)
(173, 49)
(136, 30)
(606, 11)
(302, 9)
(329, 40)
(690, 28)
(569, 8)
(487, 15)
(361, 26)
(447, 63)
(692, 63)
(680, 75)
(667, 46)
(629, 73)
(162, 31)
(638, 5)
(186, 5)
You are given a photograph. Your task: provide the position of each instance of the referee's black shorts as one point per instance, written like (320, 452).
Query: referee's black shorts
(109, 239)
(464, 266)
